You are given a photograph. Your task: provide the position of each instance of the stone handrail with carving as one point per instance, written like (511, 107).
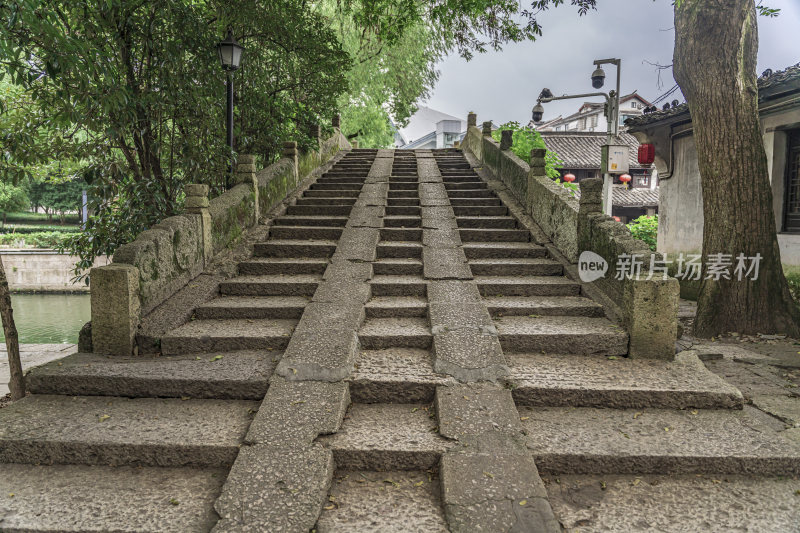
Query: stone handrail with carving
(647, 308)
(164, 258)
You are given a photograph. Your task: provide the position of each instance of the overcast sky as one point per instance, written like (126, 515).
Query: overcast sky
(503, 86)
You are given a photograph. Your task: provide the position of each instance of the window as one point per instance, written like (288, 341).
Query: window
(644, 181)
(635, 105)
(594, 121)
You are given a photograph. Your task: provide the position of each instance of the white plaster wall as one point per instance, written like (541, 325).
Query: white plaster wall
(680, 203)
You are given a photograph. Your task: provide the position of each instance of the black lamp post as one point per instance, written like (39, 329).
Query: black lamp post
(230, 55)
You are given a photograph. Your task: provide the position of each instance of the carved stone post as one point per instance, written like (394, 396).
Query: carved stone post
(336, 122)
(472, 119)
(116, 308)
(246, 173)
(197, 204)
(506, 139)
(290, 152)
(487, 129)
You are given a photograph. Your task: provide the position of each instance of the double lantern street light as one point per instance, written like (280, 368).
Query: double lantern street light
(615, 156)
(230, 55)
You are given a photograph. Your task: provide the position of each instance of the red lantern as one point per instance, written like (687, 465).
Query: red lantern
(647, 154)
(569, 178)
(625, 178)
(618, 219)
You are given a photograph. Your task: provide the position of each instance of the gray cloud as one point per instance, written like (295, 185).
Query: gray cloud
(503, 86)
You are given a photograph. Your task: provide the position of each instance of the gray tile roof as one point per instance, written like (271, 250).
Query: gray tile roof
(581, 149)
(631, 197)
(770, 84)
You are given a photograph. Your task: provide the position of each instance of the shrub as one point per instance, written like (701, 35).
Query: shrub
(524, 140)
(645, 228)
(793, 278)
(45, 239)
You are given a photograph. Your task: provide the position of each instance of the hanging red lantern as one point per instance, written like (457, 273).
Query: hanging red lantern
(647, 154)
(625, 178)
(618, 219)
(569, 178)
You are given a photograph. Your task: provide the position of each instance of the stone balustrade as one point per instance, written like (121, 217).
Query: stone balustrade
(647, 308)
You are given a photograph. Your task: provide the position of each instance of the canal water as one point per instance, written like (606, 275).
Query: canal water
(49, 318)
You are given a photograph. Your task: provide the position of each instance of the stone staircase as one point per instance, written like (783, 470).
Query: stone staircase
(419, 361)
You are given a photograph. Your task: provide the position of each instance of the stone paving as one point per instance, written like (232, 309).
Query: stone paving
(419, 358)
(31, 355)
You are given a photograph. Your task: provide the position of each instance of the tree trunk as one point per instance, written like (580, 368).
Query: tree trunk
(17, 383)
(716, 43)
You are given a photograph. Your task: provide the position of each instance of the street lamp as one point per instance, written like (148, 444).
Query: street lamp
(612, 114)
(230, 55)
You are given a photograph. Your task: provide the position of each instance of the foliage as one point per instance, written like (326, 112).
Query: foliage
(645, 228)
(25, 229)
(524, 139)
(134, 92)
(32, 219)
(12, 198)
(45, 239)
(57, 197)
(793, 278)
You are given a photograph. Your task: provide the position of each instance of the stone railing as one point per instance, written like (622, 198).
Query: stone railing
(164, 258)
(647, 308)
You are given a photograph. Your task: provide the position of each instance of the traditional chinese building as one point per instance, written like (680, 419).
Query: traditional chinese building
(680, 199)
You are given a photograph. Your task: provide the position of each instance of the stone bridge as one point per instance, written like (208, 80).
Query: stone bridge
(398, 342)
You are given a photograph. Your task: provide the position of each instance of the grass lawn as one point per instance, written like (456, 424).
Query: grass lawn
(26, 217)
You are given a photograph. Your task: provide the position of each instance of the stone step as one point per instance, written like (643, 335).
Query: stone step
(402, 202)
(462, 185)
(561, 334)
(403, 194)
(319, 210)
(394, 500)
(399, 250)
(240, 375)
(403, 179)
(494, 235)
(522, 266)
(585, 440)
(470, 193)
(387, 437)
(406, 332)
(334, 178)
(478, 202)
(403, 210)
(402, 222)
(556, 380)
(323, 186)
(84, 499)
(102, 430)
(403, 185)
(332, 200)
(456, 177)
(494, 250)
(396, 306)
(397, 267)
(383, 285)
(218, 335)
(542, 305)
(294, 248)
(527, 286)
(310, 221)
(401, 234)
(306, 232)
(395, 375)
(498, 210)
(271, 285)
(487, 222)
(252, 307)
(282, 265)
(675, 502)
(331, 193)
